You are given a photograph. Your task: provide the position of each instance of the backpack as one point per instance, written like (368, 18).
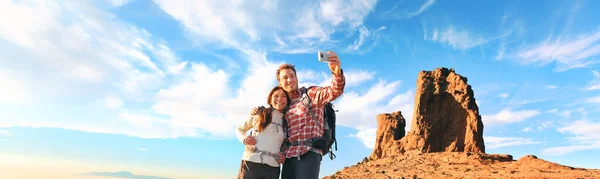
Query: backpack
(329, 118)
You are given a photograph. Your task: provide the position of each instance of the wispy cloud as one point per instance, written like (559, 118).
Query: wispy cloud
(83, 52)
(424, 7)
(492, 142)
(365, 36)
(5, 133)
(595, 83)
(308, 27)
(382, 97)
(585, 137)
(82, 47)
(397, 14)
(504, 95)
(366, 136)
(527, 129)
(545, 125)
(13, 91)
(562, 150)
(568, 52)
(118, 2)
(353, 77)
(501, 51)
(357, 77)
(113, 102)
(506, 116)
(565, 114)
(458, 39)
(144, 149)
(550, 87)
(595, 99)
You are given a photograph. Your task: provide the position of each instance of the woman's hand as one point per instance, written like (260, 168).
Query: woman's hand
(281, 158)
(250, 140)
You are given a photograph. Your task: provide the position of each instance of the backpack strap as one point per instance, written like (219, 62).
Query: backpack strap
(307, 102)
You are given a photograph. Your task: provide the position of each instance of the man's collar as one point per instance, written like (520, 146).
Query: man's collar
(295, 94)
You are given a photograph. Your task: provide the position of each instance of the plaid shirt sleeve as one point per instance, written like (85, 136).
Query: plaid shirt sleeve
(323, 95)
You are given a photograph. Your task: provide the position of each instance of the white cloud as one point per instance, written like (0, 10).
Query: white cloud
(586, 137)
(291, 27)
(395, 13)
(353, 77)
(378, 99)
(5, 133)
(564, 114)
(13, 91)
(527, 129)
(585, 131)
(365, 36)
(80, 47)
(85, 52)
(504, 95)
(353, 12)
(506, 116)
(456, 38)
(545, 125)
(118, 2)
(144, 149)
(550, 86)
(204, 103)
(113, 102)
(595, 99)
(423, 7)
(492, 142)
(595, 83)
(562, 150)
(366, 136)
(501, 51)
(567, 52)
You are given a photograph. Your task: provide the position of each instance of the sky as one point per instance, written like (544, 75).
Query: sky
(155, 89)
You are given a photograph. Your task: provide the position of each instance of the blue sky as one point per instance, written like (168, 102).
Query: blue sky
(156, 88)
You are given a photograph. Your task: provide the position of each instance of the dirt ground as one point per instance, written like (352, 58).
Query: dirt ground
(415, 164)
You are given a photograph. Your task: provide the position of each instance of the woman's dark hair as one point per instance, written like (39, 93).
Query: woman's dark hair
(265, 115)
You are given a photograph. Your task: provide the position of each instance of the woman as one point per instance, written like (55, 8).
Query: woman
(262, 156)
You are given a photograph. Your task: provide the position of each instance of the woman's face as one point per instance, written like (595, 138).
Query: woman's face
(278, 100)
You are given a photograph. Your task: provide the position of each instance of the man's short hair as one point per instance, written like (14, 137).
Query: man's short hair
(285, 66)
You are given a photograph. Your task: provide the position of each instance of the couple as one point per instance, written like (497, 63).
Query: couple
(265, 147)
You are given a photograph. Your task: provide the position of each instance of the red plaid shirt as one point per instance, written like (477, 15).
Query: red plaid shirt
(301, 126)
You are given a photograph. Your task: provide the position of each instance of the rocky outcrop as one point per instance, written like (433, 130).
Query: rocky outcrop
(389, 131)
(446, 117)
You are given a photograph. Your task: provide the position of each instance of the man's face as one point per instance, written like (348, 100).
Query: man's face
(288, 80)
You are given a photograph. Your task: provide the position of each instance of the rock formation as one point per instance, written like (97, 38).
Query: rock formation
(446, 140)
(390, 129)
(446, 117)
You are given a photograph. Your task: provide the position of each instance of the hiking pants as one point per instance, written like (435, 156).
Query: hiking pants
(251, 170)
(306, 168)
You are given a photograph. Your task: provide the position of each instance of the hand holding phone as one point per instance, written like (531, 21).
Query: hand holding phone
(323, 56)
(332, 59)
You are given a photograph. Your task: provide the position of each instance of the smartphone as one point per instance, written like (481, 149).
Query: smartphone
(323, 56)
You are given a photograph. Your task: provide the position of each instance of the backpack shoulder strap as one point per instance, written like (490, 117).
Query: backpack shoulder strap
(307, 102)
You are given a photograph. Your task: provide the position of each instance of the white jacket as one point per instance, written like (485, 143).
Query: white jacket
(269, 139)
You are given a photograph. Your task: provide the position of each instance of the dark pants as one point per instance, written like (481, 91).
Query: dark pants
(306, 168)
(251, 170)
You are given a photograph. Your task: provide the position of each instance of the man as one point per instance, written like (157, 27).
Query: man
(302, 160)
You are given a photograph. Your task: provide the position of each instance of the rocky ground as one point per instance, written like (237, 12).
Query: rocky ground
(415, 164)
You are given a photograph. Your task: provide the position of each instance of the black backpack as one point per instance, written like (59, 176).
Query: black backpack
(329, 118)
